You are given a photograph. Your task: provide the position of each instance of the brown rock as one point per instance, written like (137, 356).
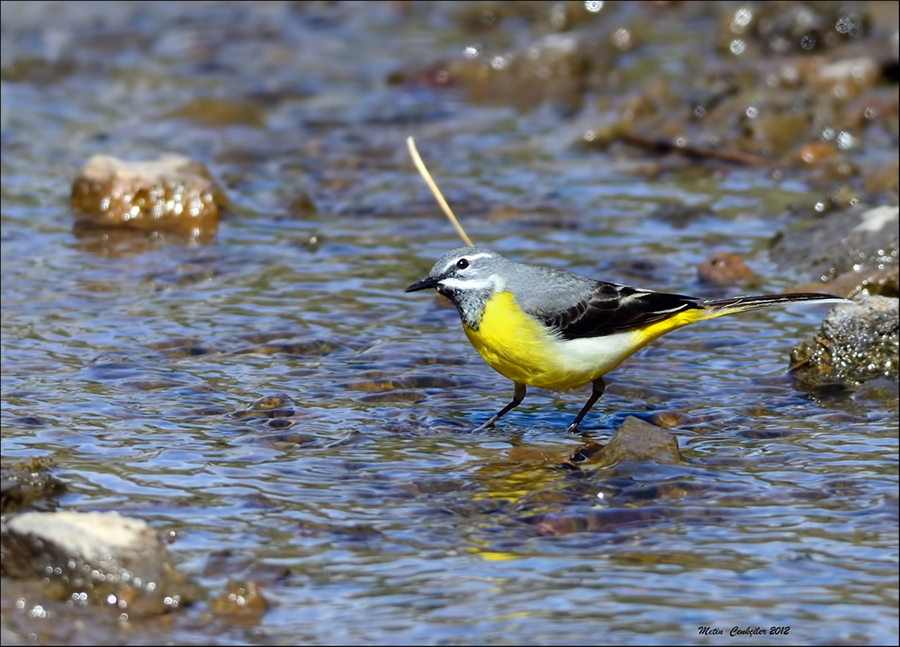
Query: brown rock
(857, 342)
(241, 604)
(172, 193)
(725, 268)
(114, 561)
(635, 440)
(813, 153)
(883, 281)
(28, 483)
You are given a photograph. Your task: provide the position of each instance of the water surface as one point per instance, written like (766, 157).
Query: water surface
(366, 510)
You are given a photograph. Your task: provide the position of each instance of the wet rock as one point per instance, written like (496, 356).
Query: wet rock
(635, 440)
(311, 348)
(406, 383)
(879, 392)
(270, 406)
(671, 418)
(38, 70)
(818, 98)
(725, 268)
(841, 241)
(241, 604)
(843, 77)
(611, 520)
(773, 130)
(218, 113)
(28, 483)
(883, 179)
(282, 441)
(172, 193)
(884, 281)
(859, 341)
(95, 559)
(554, 66)
(557, 16)
(799, 27)
(814, 153)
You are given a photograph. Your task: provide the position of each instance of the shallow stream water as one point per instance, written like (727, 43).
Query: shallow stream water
(365, 509)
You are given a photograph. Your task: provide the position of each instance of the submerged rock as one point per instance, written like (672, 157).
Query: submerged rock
(609, 520)
(635, 440)
(552, 67)
(172, 193)
(725, 268)
(23, 484)
(270, 406)
(241, 604)
(94, 558)
(857, 342)
(841, 242)
(799, 27)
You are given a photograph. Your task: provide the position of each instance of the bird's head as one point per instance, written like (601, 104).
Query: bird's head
(469, 277)
(464, 269)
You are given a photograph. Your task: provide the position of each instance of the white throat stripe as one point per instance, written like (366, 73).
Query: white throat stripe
(494, 282)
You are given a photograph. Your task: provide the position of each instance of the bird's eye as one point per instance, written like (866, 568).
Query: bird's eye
(462, 263)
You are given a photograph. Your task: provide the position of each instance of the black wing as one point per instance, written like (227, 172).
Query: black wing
(612, 308)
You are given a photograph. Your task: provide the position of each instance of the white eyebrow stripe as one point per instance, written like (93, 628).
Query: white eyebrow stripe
(471, 257)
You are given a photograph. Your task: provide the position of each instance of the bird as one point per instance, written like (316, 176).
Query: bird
(548, 328)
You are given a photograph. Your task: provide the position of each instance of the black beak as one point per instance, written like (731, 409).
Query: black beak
(424, 284)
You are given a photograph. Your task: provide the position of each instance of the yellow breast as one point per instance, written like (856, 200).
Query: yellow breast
(512, 343)
(518, 347)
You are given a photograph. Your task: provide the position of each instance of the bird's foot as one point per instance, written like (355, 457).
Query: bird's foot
(488, 425)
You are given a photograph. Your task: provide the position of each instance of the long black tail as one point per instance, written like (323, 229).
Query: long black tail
(719, 307)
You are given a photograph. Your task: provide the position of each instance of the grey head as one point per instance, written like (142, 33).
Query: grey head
(470, 276)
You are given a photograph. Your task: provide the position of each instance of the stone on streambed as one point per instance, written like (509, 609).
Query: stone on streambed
(97, 558)
(841, 241)
(858, 341)
(28, 483)
(172, 193)
(635, 440)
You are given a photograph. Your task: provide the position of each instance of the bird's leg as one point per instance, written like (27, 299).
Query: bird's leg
(599, 386)
(518, 396)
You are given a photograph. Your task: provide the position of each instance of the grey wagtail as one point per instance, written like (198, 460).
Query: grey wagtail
(544, 327)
